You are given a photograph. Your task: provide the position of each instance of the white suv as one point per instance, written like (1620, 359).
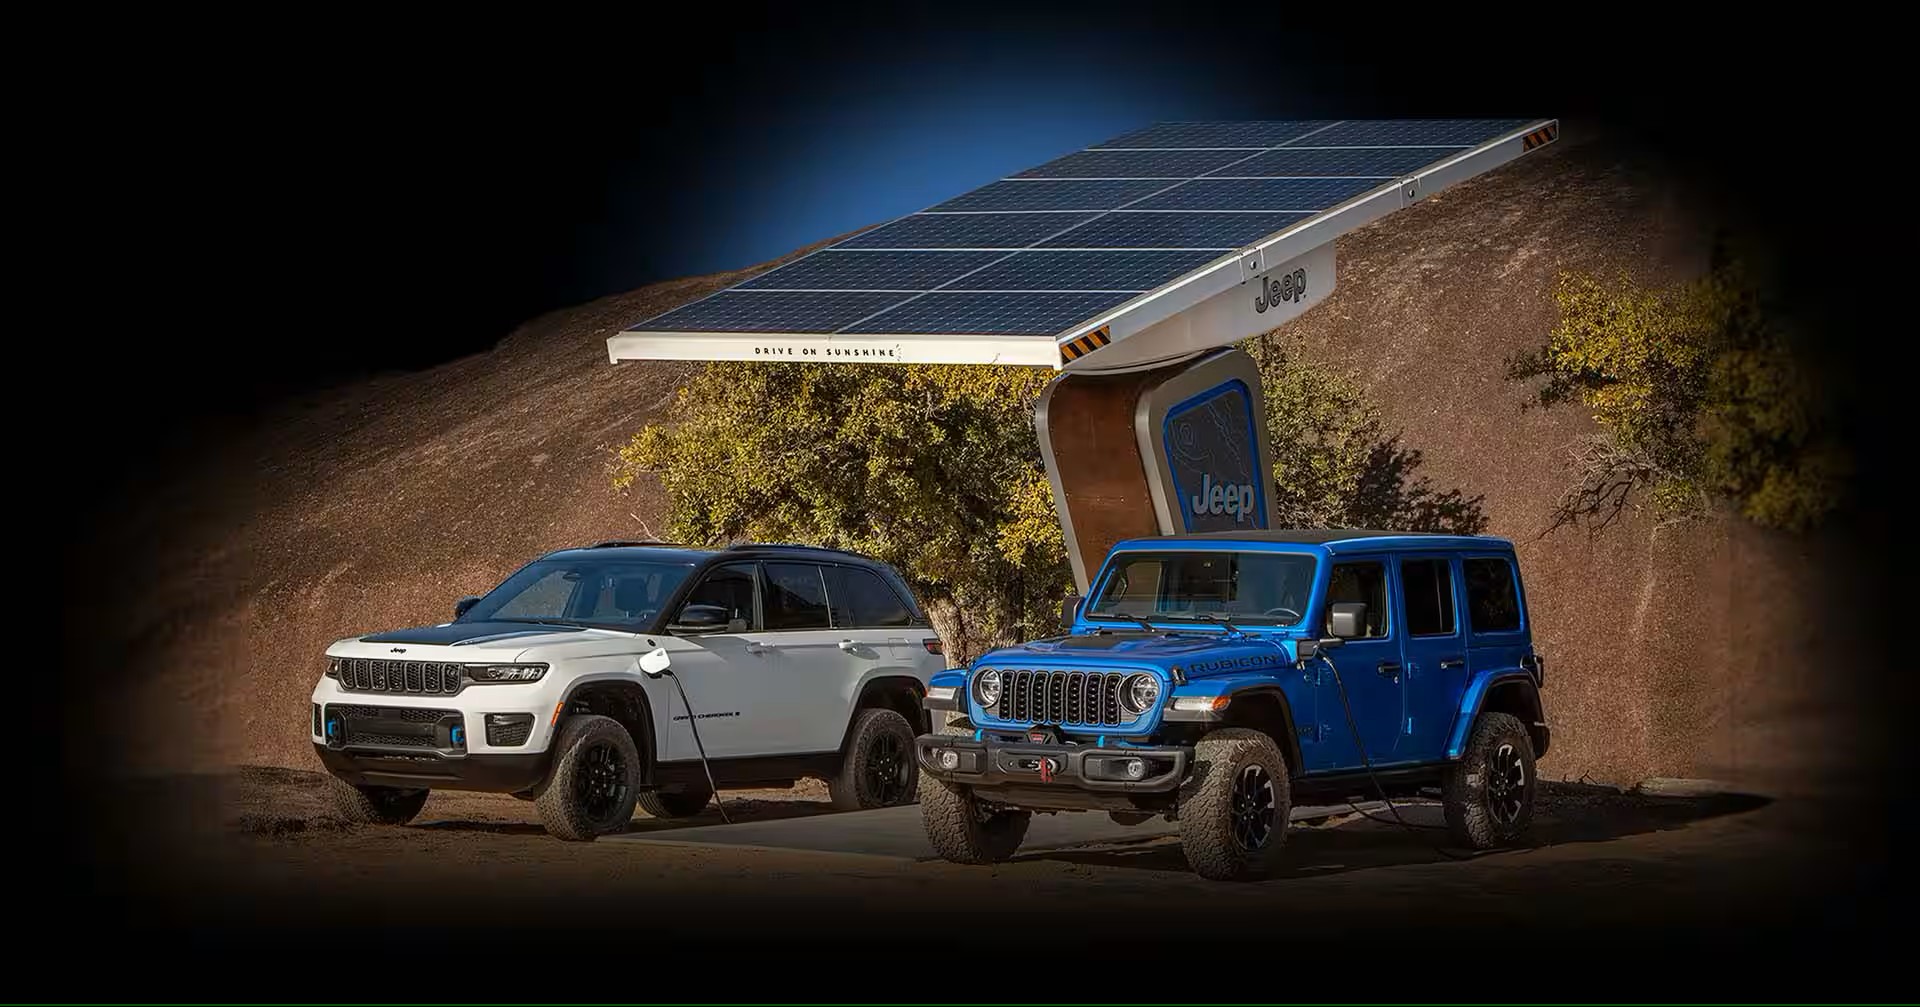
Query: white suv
(792, 662)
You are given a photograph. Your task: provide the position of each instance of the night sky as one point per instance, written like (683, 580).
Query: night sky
(350, 200)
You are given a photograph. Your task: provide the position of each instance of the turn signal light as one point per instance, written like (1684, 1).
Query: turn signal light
(934, 646)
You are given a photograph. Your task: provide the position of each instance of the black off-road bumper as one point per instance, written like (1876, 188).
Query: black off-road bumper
(502, 774)
(994, 764)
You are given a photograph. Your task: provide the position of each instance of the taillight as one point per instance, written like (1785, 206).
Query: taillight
(934, 646)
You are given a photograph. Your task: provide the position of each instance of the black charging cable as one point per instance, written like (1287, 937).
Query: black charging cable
(693, 724)
(1367, 761)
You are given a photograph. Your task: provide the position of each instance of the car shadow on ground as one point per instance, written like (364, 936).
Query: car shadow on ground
(1566, 813)
(739, 810)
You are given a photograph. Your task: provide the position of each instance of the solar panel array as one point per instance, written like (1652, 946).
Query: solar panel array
(1041, 251)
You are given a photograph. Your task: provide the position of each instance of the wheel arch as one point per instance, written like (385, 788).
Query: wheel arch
(903, 694)
(626, 702)
(1265, 708)
(1511, 692)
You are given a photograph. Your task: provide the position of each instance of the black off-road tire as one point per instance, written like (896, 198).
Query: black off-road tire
(594, 781)
(877, 770)
(1488, 795)
(965, 830)
(375, 805)
(1239, 780)
(679, 802)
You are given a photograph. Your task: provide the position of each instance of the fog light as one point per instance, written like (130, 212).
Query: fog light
(1136, 769)
(949, 759)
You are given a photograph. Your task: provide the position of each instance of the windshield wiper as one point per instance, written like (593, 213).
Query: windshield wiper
(1144, 624)
(1219, 619)
(539, 622)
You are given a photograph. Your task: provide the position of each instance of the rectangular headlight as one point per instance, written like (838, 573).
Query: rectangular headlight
(506, 672)
(333, 667)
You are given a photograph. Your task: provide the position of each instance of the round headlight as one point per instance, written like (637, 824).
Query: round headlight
(1142, 691)
(986, 687)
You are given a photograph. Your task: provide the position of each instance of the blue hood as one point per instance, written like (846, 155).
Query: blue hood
(1197, 654)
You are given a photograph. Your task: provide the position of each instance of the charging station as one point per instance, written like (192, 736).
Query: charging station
(1132, 267)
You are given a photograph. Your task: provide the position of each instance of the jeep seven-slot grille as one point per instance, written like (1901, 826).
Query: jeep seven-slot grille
(1086, 698)
(372, 674)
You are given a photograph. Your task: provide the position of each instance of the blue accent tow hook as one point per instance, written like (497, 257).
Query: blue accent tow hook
(458, 733)
(333, 730)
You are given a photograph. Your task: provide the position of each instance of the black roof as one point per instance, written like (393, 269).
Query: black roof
(762, 550)
(1314, 536)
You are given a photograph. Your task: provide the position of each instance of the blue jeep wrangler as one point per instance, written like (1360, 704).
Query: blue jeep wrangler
(1216, 679)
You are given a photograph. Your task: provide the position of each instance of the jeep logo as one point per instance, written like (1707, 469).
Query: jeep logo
(1288, 287)
(1220, 498)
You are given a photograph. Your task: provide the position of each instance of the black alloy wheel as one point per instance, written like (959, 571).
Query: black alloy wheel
(887, 769)
(1253, 808)
(601, 787)
(1506, 785)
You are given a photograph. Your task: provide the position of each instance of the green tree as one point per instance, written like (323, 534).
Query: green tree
(932, 469)
(936, 470)
(1699, 397)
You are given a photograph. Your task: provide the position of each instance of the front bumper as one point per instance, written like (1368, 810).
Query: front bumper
(500, 774)
(993, 763)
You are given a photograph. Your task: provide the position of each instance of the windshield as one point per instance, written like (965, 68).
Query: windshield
(1245, 588)
(610, 591)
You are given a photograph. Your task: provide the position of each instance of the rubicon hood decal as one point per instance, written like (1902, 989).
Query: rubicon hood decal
(457, 634)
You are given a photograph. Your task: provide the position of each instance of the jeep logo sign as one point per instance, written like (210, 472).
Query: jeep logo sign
(1213, 453)
(1235, 502)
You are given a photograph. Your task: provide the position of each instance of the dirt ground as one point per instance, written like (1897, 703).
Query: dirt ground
(1617, 884)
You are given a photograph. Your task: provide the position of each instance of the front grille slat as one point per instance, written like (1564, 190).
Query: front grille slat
(373, 674)
(1070, 698)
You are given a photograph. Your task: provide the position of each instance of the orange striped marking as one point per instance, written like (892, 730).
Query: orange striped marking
(1541, 137)
(1080, 346)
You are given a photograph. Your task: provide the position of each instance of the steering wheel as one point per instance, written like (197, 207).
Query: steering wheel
(1283, 610)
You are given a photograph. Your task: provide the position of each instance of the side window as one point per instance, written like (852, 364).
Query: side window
(1426, 595)
(860, 598)
(1493, 605)
(796, 597)
(1362, 582)
(730, 587)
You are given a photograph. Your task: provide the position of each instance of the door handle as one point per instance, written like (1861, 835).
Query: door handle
(1390, 669)
(760, 648)
(849, 646)
(1447, 664)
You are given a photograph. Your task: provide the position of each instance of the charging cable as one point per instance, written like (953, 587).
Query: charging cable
(693, 724)
(1366, 761)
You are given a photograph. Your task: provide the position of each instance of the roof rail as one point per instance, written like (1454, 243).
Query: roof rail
(614, 543)
(794, 545)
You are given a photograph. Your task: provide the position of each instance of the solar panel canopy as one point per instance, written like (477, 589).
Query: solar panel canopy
(1158, 243)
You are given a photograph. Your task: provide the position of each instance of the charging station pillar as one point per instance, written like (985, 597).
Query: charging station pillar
(1174, 449)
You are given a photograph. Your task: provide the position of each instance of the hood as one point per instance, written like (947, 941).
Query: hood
(1196, 654)
(474, 642)
(459, 634)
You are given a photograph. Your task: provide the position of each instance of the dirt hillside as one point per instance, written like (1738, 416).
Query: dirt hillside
(1671, 651)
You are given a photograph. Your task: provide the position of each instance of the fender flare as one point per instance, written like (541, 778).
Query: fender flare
(886, 680)
(649, 743)
(1290, 745)
(1475, 699)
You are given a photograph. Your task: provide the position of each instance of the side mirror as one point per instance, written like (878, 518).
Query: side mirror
(460, 607)
(1070, 608)
(1347, 619)
(655, 662)
(703, 618)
